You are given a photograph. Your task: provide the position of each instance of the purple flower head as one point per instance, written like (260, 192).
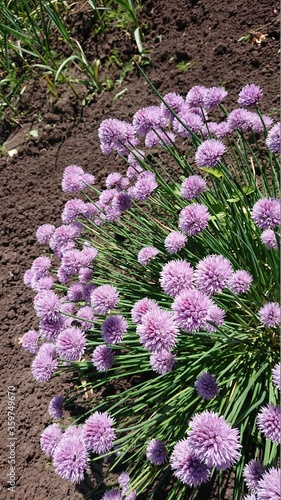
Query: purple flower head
(239, 119)
(273, 139)
(266, 213)
(191, 309)
(28, 277)
(189, 120)
(75, 292)
(144, 186)
(98, 432)
(222, 130)
(112, 494)
(252, 473)
(104, 298)
(209, 128)
(141, 307)
(134, 159)
(71, 458)
(270, 314)
(195, 96)
(85, 275)
(188, 468)
(88, 179)
(276, 375)
(30, 341)
(45, 283)
(215, 318)
(102, 358)
(71, 344)
(72, 210)
(72, 261)
(176, 276)
(193, 186)
(114, 180)
(88, 254)
(40, 267)
(174, 101)
(115, 135)
(159, 138)
(55, 407)
(123, 480)
(257, 125)
(121, 202)
(269, 485)
(50, 438)
(193, 219)
(213, 440)
(268, 238)
(209, 153)
(44, 233)
(147, 118)
(213, 97)
(74, 430)
(156, 452)
(251, 496)
(213, 273)
(207, 386)
(240, 281)
(175, 241)
(50, 329)
(162, 362)
(72, 180)
(113, 329)
(45, 363)
(268, 422)
(250, 95)
(146, 254)
(85, 315)
(158, 330)
(64, 238)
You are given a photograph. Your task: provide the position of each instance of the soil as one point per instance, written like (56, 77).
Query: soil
(205, 32)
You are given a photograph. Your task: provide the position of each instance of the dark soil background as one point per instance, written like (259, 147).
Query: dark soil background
(205, 32)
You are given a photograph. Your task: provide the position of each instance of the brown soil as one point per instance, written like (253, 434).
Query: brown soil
(205, 32)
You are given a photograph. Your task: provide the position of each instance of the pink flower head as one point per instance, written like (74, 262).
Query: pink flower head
(73, 179)
(162, 362)
(268, 421)
(176, 276)
(45, 363)
(268, 238)
(209, 153)
(146, 254)
(102, 358)
(50, 328)
(104, 298)
(175, 241)
(209, 128)
(213, 273)
(187, 467)
(85, 315)
(30, 341)
(266, 213)
(213, 97)
(147, 118)
(121, 202)
(252, 473)
(222, 130)
(188, 121)
(88, 254)
(50, 438)
(250, 95)
(206, 386)
(191, 309)
(85, 275)
(72, 210)
(116, 135)
(64, 238)
(156, 452)
(75, 292)
(71, 458)
(144, 186)
(269, 485)
(213, 440)
(116, 180)
(55, 407)
(239, 119)
(273, 139)
(276, 375)
(44, 233)
(71, 344)
(257, 125)
(270, 314)
(215, 318)
(174, 101)
(159, 138)
(195, 96)
(113, 329)
(193, 219)
(112, 494)
(134, 159)
(240, 281)
(158, 330)
(193, 186)
(141, 307)
(98, 432)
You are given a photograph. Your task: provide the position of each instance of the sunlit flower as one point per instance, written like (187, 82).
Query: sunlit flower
(187, 467)
(269, 422)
